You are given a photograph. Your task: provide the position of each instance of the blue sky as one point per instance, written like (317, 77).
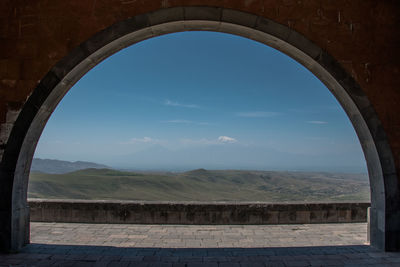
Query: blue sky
(202, 100)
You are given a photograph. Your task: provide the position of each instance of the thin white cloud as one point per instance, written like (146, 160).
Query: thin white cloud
(317, 122)
(144, 140)
(204, 141)
(186, 122)
(179, 121)
(203, 123)
(226, 139)
(258, 114)
(168, 102)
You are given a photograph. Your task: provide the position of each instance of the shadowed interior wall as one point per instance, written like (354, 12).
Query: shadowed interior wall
(361, 36)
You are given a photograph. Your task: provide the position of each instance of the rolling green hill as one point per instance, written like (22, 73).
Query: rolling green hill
(62, 166)
(201, 185)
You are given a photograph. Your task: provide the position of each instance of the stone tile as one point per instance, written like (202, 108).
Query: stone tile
(326, 262)
(199, 236)
(202, 264)
(299, 263)
(138, 264)
(101, 263)
(84, 264)
(393, 260)
(229, 264)
(275, 264)
(252, 264)
(160, 264)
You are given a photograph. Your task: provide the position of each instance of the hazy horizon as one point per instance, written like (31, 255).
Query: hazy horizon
(179, 169)
(207, 100)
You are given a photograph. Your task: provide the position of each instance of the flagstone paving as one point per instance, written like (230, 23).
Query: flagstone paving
(71, 244)
(199, 236)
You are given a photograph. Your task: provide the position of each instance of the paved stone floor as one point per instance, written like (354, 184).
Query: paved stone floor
(57, 244)
(199, 236)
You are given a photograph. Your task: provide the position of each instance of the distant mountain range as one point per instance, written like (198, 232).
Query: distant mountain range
(239, 156)
(54, 166)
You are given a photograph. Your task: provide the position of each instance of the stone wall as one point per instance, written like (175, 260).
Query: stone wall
(362, 35)
(92, 211)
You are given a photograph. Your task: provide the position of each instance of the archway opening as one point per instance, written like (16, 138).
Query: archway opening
(203, 123)
(196, 102)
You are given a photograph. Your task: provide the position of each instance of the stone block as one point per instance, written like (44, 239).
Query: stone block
(236, 17)
(167, 15)
(318, 216)
(303, 44)
(171, 27)
(344, 215)
(273, 28)
(331, 216)
(287, 217)
(203, 13)
(303, 216)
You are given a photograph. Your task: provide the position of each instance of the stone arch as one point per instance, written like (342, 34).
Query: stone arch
(17, 157)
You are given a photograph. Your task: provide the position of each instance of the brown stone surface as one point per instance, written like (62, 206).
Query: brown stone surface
(360, 34)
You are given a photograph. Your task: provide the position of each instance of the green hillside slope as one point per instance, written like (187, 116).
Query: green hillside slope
(200, 185)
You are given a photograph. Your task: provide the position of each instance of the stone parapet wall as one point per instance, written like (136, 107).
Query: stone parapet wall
(136, 212)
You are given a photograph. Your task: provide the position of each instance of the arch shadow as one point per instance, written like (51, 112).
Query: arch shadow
(18, 154)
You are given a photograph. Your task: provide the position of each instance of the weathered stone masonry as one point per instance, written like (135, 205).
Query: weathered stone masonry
(361, 35)
(146, 212)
